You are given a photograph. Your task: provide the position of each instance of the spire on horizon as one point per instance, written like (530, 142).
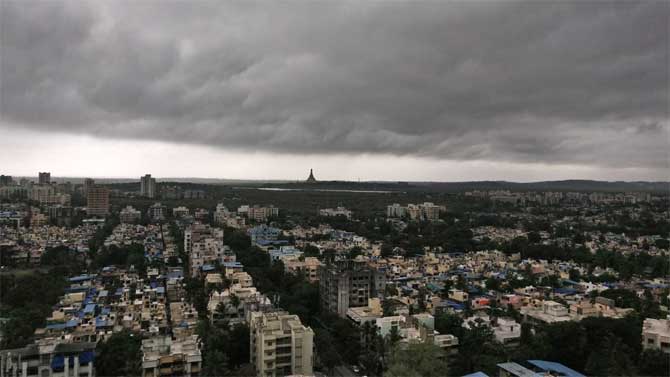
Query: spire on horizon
(311, 178)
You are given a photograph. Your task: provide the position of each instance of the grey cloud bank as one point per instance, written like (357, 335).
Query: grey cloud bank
(553, 82)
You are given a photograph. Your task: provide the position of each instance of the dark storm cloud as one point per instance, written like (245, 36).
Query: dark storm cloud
(563, 82)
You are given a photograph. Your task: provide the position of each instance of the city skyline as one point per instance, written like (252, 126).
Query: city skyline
(376, 91)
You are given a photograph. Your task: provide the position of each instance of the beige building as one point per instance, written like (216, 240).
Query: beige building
(656, 334)
(163, 356)
(204, 245)
(308, 267)
(280, 345)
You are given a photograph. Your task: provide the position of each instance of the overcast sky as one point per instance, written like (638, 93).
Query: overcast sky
(442, 91)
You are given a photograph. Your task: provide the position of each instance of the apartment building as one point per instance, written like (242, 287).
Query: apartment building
(97, 201)
(309, 267)
(44, 178)
(280, 345)
(46, 194)
(129, 215)
(148, 186)
(258, 213)
(163, 356)
(50, 359)
(426, 211)
(156, 212)
(346, 284)
(656, 334)
(204, 245)
(333, 212)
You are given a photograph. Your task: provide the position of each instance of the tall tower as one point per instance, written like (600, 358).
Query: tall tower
(311, 178)
(148, 186)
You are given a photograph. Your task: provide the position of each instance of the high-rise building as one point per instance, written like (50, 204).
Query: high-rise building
(46, 194)
(348, 284)
(148, 186)
(280, 345)
(204, 245)
(44, 178)
(6, 180)
(97, 201)
(88, 183)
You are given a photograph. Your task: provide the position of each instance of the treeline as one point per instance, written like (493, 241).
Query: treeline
(596, 346)
(638, 264)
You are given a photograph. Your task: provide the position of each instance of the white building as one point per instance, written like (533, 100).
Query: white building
(129, 215)
(332, 212)
(280, 345)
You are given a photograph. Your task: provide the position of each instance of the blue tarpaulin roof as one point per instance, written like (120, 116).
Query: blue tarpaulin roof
(56, 326)
(90, 308)
(81, 278)
(565, 291)
(550, 366)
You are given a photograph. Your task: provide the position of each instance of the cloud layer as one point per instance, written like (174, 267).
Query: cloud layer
(552, 82)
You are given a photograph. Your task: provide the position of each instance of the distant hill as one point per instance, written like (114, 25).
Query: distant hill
(565, 185)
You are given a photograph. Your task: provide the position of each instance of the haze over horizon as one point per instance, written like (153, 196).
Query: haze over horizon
(417, 91)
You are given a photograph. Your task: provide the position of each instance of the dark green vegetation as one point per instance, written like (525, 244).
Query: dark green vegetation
(225, 349)
(597, 346)
(119, 355)
(26, 299)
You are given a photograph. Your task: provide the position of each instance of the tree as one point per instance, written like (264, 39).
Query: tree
(120, 355)
(611, 359)
(654, 363)
(446, 323)
(478, 350)
(418, 360)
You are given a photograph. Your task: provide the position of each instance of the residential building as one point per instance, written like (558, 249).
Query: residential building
(346, 284)
(656, 334)
(97, 203)
(332, 212)
(396, 210)
(546, 312)
(6, 180)
(163, 356)
(180, 212)
(426, 211)
(129, 215)
(44, 178)
(156, 212)
(54, 358)
(280, 345)
(88, 183)
(148, 186)
(258, 213)
(204, 245)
